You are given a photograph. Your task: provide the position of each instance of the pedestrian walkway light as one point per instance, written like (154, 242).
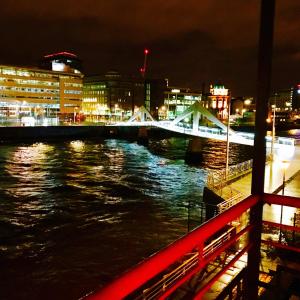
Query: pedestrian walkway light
(285, 164)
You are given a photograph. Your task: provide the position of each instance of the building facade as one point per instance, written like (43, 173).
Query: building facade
(111, 97)
(40, 94)
(176, 101)
(217, 100)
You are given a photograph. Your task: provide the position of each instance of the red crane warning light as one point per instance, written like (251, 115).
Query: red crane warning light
(143, 69)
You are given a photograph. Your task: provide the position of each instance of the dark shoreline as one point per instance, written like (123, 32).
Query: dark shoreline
(47, 133)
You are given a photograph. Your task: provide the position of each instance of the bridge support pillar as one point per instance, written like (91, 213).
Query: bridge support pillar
(193, 153)
(143, 138)
(196, 118)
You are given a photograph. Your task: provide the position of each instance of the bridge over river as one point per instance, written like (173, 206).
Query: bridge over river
(197, 113)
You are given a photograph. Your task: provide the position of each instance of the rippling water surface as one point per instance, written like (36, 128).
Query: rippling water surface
(75, 214)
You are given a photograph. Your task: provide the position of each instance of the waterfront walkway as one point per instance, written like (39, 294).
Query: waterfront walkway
(273, 184)
(274, 175)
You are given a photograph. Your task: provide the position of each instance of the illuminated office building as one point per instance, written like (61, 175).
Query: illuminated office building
(176, 101)
(38, 93)
(111, 97)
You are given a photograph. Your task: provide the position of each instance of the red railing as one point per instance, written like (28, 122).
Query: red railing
(158, 266)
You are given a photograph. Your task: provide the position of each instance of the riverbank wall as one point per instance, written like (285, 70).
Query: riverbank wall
(42, 133)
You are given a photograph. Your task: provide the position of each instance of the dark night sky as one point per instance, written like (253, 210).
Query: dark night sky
(190, 41)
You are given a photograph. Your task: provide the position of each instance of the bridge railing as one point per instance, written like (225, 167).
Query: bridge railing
(192, 253)
(217, 179)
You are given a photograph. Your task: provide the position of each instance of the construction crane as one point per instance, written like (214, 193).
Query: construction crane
(143, 69)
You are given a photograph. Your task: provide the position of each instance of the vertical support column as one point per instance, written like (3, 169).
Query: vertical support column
(258, 173)
(196, 118)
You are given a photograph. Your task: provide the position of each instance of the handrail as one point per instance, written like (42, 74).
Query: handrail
(170, 278)
(216, 179)
(160, 261)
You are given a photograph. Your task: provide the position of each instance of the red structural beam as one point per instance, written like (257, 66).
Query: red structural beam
(282, 226)
(279, 245)
(207, 286)
(282, 200)
(136, 277)
(204, 261)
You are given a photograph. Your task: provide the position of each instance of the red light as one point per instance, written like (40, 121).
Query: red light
(142, 70)
(146, 51)
(61, 53)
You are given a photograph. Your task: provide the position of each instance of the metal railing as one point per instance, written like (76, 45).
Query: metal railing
(226, 204)
(179, 272)
(192, 245)
(217, 179)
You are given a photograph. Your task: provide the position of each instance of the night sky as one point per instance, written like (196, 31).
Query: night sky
(190, 41)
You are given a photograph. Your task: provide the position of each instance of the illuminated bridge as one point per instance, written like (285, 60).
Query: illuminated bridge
(195, 112)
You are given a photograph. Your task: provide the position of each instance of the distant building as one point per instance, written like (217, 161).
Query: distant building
(217, 100)
(242, 110)
(296, 97)
(37, 93)
(154, 95)
(282, 102)
(111, 96)
(62, 61)
(176, 101)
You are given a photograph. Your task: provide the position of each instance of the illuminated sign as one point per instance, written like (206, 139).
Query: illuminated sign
(175, 91)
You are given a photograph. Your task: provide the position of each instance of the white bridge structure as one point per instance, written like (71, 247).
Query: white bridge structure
(195, 113)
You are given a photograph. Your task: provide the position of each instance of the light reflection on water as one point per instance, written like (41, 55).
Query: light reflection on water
(75, 214)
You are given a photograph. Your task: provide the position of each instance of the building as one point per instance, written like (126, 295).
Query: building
(217, 100)
(176, 101)
(281, 101)
(154, 95)
(62, 61)
(39, 94)
(296, 97)
(242, 110)
(111, 97)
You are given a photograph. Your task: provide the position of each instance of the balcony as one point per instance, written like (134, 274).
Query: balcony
(212, 261)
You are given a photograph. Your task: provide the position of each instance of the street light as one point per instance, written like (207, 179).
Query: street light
(273, 132)
(285, 164)
(75, 109)
(227, 143)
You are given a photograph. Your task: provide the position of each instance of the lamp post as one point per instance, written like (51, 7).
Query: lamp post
(75, 109)
(285, 164)
(273, 133)
(227, 140)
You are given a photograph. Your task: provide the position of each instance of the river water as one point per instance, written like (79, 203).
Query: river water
(74, 214)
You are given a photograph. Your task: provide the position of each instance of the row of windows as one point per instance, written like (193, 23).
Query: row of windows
(18, 107)
(26, 97)
(29, 81)
(72, 92)
(94, 92)
(28, 90)
(29, 73)
(94, 86)
(25, 73)
(169, 102)
(72, 84)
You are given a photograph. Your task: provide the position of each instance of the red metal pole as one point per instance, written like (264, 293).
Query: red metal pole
(282, 200)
